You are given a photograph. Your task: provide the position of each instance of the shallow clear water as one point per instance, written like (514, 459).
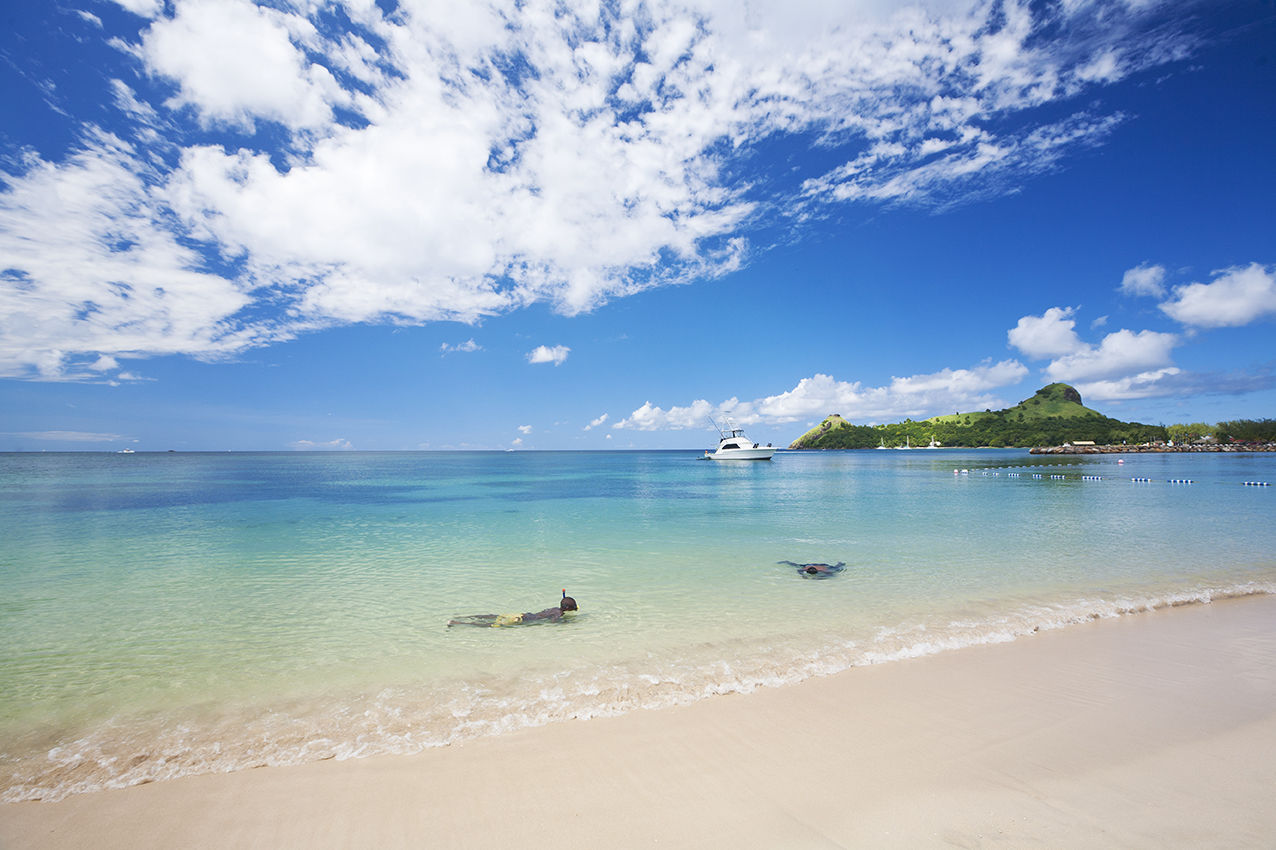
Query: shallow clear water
(165, 614)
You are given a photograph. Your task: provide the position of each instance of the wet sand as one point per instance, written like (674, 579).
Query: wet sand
(1150, 730)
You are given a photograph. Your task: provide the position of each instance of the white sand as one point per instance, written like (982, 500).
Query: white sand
(1156, 730)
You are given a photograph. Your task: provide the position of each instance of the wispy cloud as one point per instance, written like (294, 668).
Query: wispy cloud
(408, 167)
(468, 346)
(339, 444)
(69, 436)
(596, 422)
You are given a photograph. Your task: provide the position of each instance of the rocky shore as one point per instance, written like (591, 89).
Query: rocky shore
(1144, 448)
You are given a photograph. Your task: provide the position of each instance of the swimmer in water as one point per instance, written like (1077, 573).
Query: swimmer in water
(495, 621)
(817, 570)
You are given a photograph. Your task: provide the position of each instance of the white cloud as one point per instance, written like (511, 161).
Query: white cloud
(1144, 280)
(235, 61)
(1142, 385)
(820, 395)
(91, 270)
(339, 444)
(545, 354)
(468, 346)
(596, 422)
(1237, 296)
(405, 169)
(525, 429)
(1120, 354)
(1051, 334)
(69, 436)
(142, 8)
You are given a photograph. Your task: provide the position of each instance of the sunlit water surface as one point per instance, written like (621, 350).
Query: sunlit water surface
(168, 614)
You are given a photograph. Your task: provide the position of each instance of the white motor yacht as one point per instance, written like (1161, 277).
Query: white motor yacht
(733, 445)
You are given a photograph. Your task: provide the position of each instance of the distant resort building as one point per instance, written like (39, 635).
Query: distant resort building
(1080, 443)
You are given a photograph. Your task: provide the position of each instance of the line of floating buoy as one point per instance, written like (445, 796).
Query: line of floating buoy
(1056, 477)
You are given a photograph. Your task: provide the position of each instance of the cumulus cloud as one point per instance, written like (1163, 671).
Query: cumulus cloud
(1124, 364)
(546, 354)
(282, 168)
(1051, 334)
(1144, 280)
(596, 422)
(1236, 297)
(1120, 353)
(233, 60)
(820, 395)
(525, 429)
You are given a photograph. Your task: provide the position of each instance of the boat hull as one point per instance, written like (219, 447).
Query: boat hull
(743, 454)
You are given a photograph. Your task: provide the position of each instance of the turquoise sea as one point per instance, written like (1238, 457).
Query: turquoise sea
(170, 614)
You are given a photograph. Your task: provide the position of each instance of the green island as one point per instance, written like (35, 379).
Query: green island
(1054, 416)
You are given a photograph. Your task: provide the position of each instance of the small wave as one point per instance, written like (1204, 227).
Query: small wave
(410, 719)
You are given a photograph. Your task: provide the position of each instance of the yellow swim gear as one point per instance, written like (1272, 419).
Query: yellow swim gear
(507, 620)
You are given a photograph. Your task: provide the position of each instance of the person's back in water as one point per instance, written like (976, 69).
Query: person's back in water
(567, 605)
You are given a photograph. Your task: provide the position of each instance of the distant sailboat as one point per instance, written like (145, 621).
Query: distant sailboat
(906, 445)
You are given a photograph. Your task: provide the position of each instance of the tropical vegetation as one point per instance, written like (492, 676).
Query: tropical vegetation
(1053, 416)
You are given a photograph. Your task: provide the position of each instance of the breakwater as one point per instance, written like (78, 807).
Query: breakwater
(1147, 448)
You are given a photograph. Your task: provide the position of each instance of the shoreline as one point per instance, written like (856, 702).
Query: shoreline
(1144, 730)
(1154, 448)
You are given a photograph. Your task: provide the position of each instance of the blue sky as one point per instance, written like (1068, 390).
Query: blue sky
(568, 225)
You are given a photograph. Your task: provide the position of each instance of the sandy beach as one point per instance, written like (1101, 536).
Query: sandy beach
(1150, 730)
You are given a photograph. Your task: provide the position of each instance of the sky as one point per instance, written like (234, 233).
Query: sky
(380, 225)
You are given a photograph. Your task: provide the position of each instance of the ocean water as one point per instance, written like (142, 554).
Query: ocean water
(170, 614)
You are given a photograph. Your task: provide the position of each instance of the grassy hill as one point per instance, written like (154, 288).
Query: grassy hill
(1054, 401)
(1054, 415)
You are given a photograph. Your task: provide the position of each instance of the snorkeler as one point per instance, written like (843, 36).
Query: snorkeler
(817, 570)
(495, 621)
